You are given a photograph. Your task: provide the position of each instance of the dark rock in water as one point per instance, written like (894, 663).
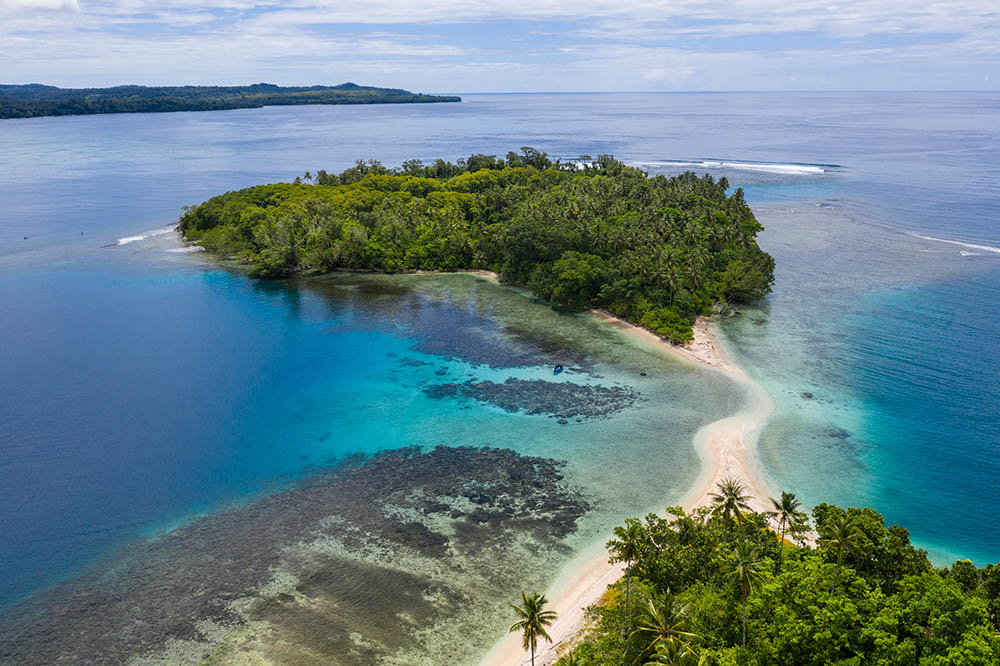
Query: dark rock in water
(436, 507)
(411, 362)
(838, 433)
(441, 372)
(807, 395)
(442, 390)
(538, 396)
(418, 536)
(564, 421)
(337, 599)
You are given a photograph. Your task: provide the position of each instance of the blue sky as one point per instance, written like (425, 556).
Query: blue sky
(508, 45)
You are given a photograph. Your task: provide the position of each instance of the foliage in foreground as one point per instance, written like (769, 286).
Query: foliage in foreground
(889, 606)
(596, 233)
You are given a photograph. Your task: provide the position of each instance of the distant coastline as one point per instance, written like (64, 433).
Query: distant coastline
(37, 100)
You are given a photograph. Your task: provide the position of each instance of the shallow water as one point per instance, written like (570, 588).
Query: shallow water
(346, 368)
(885, 385)
(144, 385)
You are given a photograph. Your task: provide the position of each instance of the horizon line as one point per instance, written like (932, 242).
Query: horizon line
(541, 92)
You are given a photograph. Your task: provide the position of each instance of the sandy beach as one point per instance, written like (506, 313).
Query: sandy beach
(727, 450)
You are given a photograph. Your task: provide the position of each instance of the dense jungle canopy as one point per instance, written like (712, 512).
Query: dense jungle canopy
(592, 233)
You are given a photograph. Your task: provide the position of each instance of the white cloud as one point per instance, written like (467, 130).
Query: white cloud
(40, 5)
(850, 17)
(578, 45)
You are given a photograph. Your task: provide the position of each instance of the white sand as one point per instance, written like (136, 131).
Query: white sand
(727, 450)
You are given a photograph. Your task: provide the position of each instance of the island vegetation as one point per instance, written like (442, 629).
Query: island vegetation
(592, 233)
(721, 586)
(28, 101)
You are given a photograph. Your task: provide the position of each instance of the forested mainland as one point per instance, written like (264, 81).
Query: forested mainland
(28, 101)
(727, 586)
(591, 233)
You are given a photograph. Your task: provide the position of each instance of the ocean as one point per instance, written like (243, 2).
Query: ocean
(150, 392)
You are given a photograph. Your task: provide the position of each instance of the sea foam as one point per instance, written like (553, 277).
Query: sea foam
(789, 169)
(148, 234)
(971, 246)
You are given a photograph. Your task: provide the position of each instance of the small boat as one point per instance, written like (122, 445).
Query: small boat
(556, 370)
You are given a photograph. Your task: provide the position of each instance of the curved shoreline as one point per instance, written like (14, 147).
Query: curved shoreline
(727, 449)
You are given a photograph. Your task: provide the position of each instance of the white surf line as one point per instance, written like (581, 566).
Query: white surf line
(971, 246)
(788, 169)
(125, 240)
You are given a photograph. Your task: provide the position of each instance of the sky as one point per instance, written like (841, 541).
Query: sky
(467, 46)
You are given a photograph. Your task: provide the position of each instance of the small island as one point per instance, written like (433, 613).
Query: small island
(593, 233)
(34, 100)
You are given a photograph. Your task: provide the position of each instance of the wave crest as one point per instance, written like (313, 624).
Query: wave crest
(148, 234)
(971, 246)
(787, 169)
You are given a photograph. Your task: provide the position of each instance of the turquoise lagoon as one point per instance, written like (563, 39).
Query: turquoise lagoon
(145, 386)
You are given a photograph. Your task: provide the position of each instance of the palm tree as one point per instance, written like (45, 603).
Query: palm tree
(570, 659)
(672, 652)
(787, 511)
(534, 619)
(842, 535)
(799, 531)
(745, 566)
(625, 548)
(730, 500)
(672, 280)
(664, 621)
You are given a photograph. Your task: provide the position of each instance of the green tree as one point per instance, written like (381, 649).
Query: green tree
(939, 624)
(571, 658)
(787, 512)
(745, 566)
(576, 280)
(664, 620)
(841, 536)
(626, 547)
(729, 500)
(534, 619)
(674, 652)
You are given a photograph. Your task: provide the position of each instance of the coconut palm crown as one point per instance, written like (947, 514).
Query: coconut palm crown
(843, 535)
(625, 547)
(730, 500)
(534, 619)
(745, 567)
(665, 621)
(786, 510)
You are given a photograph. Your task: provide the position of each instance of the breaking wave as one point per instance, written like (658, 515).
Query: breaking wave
(970, 246)
(149, 234)
(788, 169)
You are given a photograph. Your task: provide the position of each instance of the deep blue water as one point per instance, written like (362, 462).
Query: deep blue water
(139, 385)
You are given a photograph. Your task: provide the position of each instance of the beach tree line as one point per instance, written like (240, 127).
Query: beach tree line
(593, 233)
(727, 586)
